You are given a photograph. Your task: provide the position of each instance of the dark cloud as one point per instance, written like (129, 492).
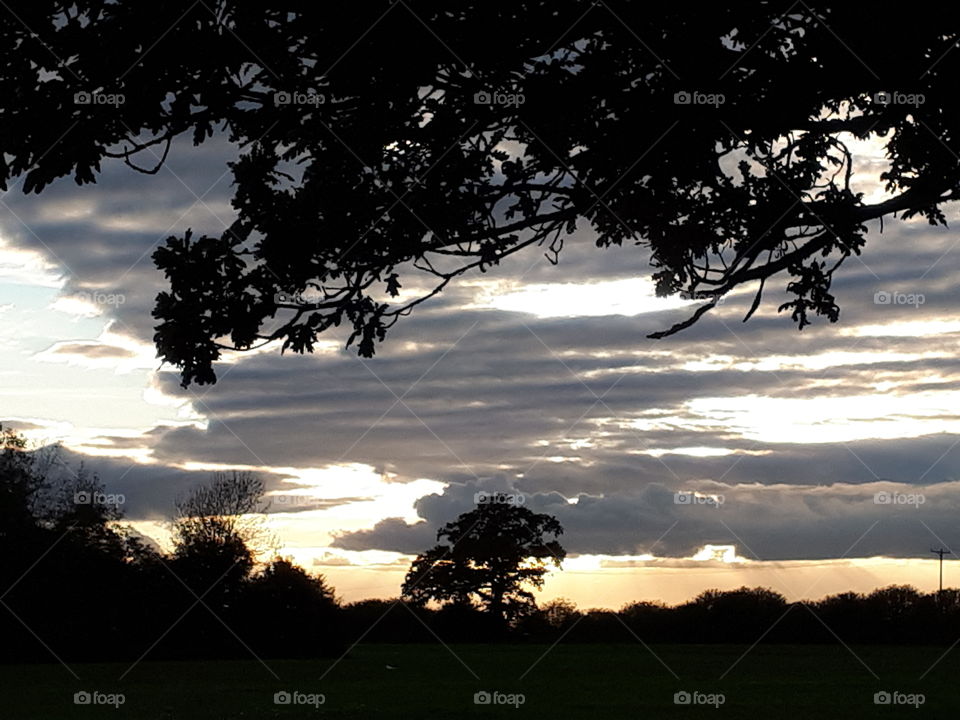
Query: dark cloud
(390, 534)
(764, 523)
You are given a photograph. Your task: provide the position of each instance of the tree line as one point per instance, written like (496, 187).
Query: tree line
(76, 584)
(897, 614)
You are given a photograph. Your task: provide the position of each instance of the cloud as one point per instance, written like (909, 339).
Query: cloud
(769, 523)
(91, 350)
(390, 534)
(519, 379)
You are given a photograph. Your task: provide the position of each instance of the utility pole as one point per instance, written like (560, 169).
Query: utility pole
(941, 552)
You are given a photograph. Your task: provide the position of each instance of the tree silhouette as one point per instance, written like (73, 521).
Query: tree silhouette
(293, 613)
(20, 487)
(72, 574)
(716, 137)
(491, 555)
(217, 530)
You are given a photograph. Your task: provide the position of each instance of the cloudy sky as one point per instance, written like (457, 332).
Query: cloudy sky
(532, 378)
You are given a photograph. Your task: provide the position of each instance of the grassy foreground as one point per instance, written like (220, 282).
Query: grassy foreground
(567, 681)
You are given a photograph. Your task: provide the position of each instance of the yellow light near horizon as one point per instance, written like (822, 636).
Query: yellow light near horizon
(720, 553)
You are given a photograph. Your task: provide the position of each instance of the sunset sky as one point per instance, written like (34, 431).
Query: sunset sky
(531, 377)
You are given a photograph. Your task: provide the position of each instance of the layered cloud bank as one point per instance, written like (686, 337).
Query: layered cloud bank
(533, 378)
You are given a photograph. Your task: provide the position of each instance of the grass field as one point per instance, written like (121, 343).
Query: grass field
(568, 681)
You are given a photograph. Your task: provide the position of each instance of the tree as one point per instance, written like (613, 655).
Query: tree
(717, 137)
(291, 612)
(551, 620)
(491, 555)
(19, 487)
(65, 556)
(560, 613)
(81, 505)
(218, 531)
(728, 615)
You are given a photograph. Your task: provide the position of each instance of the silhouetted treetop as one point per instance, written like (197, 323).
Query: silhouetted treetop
(383, 144)
(488, 558)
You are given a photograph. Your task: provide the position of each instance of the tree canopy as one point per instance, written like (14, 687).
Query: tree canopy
(492, 554)
(383, 144)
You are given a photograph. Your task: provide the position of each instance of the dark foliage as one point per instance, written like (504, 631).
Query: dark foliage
(491, 556)
(78, 585)
(711, 134)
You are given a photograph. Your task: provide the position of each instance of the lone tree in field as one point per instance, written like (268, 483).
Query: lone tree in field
(491, 556)
(386, 145)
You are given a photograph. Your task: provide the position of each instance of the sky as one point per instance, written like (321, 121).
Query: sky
(730, 454)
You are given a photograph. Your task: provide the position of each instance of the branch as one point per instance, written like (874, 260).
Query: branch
(686, 323)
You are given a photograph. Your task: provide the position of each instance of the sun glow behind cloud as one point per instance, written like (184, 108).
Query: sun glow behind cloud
(632, 296)
(816, 419)
(829, 419)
